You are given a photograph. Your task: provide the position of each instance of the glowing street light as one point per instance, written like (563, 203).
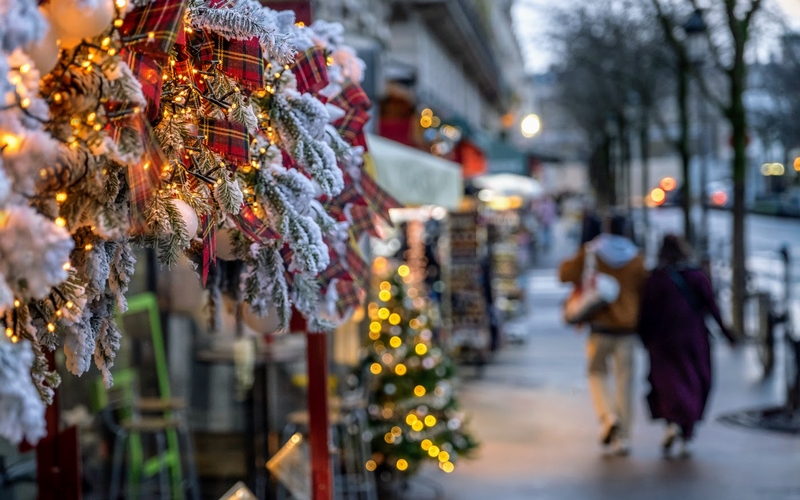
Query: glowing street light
(531, 125)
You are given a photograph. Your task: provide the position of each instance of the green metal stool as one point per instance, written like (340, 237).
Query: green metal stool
(162, 417)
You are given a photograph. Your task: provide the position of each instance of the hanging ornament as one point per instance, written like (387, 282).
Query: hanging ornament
(261, 324)
(44, 52)
(188, 215)
(225, 249)
(76, 19)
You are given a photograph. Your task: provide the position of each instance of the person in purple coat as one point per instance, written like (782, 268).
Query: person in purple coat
(676, 299)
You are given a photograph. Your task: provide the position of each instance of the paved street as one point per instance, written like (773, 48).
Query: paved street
(532, 413)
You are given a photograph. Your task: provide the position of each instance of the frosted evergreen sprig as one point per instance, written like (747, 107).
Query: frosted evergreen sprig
(21, 407)
(265, 283)
(312, 154)
(227, 193)
(243, 20)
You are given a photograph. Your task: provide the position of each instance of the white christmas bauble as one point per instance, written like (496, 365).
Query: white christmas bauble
(188, 215)
(76, 19)
(225, 250)
(44, 52)
(261, 324)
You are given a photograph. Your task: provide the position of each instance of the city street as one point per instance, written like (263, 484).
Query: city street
(531, 411)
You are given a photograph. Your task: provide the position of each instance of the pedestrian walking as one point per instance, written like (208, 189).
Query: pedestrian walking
(676, 300)
(612, 328)
(546, 213)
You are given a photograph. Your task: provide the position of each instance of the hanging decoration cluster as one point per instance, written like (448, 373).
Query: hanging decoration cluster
(216, 129)
(413, 411)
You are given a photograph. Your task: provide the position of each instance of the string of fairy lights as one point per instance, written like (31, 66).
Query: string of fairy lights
(402, 343)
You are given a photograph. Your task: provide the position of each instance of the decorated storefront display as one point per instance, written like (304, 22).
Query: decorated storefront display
(215, 129)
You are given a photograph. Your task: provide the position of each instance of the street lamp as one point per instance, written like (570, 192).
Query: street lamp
(695, 29)
(696, 49)
(531, 125)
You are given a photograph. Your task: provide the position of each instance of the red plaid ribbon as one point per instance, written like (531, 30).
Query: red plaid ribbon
(350, 194)
(335, 270)
(311, 71)
(161, 19)
(361, 221)
(351, 96)
(230, 139)
(334, 208)
(354, 101)
(349, 297)
(378, 200)
(149, 73)
(241, 60)
(351, 126)
(144, 178)
(255, 229)
(356, 267)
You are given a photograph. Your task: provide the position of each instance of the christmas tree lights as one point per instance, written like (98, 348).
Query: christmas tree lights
(413, 410)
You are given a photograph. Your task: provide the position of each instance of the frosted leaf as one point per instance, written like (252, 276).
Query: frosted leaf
(21, 408)
(79, 346)
(20, 23)
(33, 252)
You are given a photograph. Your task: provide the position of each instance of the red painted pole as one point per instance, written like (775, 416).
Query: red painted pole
(318, 436)
(316, 349)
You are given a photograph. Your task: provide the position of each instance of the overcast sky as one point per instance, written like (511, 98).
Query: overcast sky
(530, 17)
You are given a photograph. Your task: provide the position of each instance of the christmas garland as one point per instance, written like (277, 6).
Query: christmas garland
(213, 129)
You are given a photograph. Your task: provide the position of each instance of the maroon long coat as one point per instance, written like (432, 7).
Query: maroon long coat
(677, 340)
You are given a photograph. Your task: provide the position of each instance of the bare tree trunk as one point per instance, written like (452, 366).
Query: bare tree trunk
(683, 147)
(738, 119)
(601, 175)
(644, 144)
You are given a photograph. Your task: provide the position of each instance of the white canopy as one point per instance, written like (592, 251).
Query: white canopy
(414, 177)
(510, 185)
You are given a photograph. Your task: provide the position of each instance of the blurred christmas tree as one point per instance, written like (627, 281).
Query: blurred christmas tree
(413, 409)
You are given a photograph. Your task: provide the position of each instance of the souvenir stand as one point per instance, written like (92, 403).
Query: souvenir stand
(470, 284)
(503, 241)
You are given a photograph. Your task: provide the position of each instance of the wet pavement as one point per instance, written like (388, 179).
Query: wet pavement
(531, 411)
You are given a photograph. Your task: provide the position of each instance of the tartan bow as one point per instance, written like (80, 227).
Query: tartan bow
(311, 71)
(229, 139)
(257, 230)
(144, 177)
(154, 27)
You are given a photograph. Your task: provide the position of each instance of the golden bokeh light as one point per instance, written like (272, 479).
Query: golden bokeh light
(375, 368)
(400, 369)
(395, 342)
(419, 391)
(421, 349)
(430, 420)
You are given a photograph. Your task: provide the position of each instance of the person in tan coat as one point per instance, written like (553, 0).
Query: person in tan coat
(612, 330)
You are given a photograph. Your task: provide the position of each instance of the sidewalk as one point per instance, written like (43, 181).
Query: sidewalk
(531, 411)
